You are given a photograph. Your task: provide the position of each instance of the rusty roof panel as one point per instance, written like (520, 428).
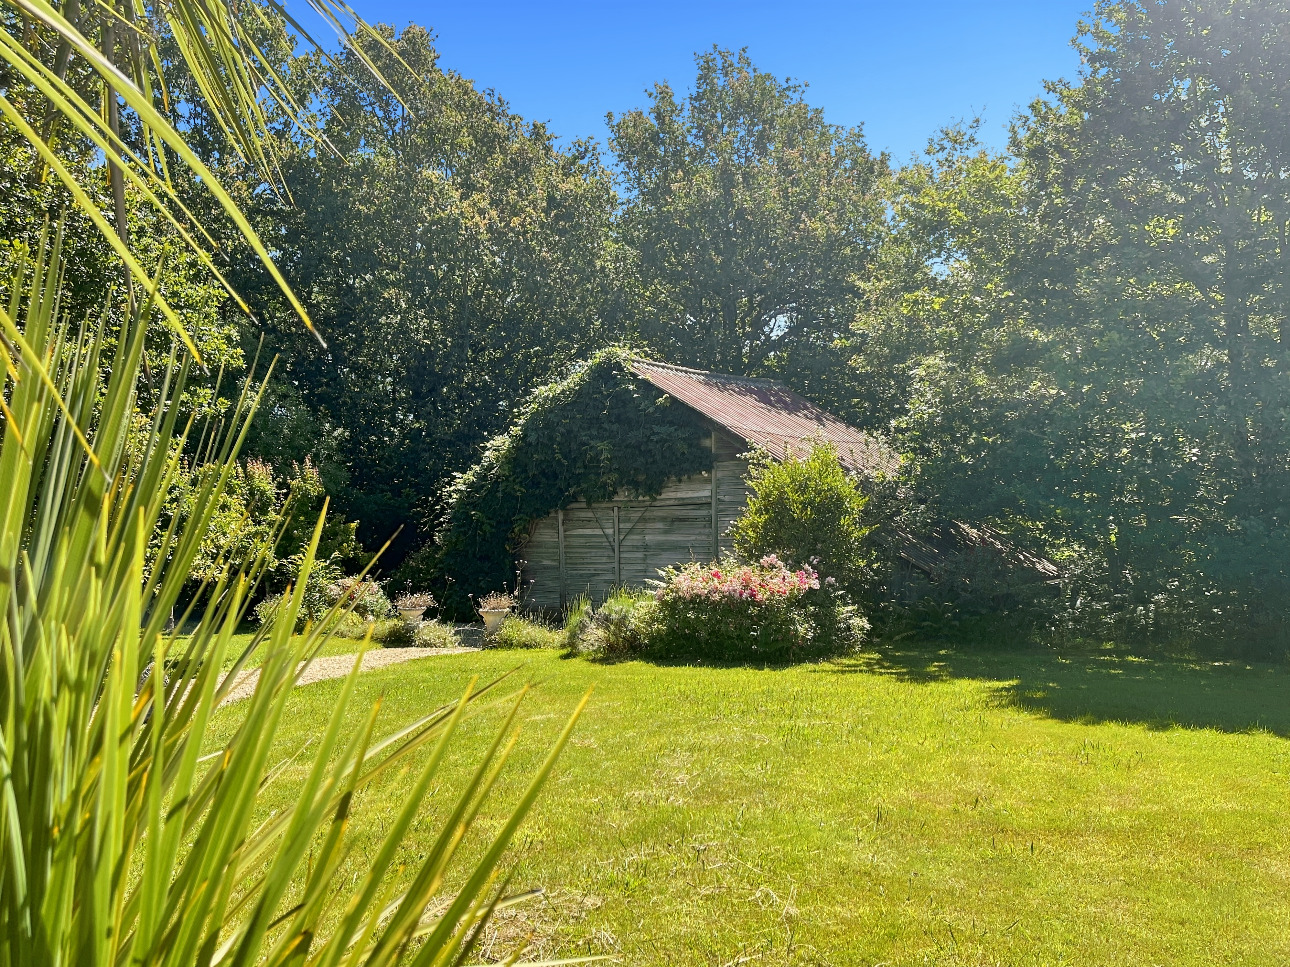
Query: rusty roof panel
(930, 552)
(770, 415)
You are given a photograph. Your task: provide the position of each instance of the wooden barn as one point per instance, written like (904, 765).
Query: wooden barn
(590, 549)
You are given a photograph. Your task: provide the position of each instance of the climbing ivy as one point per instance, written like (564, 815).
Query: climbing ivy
(586, 437)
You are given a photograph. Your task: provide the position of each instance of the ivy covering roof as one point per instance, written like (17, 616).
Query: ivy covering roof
(617, 423)
(587, 437)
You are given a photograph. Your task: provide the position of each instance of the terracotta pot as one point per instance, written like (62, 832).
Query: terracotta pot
(493, 620)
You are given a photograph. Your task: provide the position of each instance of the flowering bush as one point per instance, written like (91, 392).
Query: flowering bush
(727, 611)
(760, 583)
(733, 611)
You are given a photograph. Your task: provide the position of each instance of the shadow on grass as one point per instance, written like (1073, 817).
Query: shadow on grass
(1160, 693)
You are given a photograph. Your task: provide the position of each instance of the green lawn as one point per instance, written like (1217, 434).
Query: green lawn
(913, 807)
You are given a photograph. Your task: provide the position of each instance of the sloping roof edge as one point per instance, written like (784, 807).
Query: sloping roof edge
(930, 553)
(768, 414)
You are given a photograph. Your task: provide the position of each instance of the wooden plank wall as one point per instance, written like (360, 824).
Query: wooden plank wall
(624, 541)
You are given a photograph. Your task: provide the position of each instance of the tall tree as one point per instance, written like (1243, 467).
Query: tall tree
(749, 221)
(1097, 345)
(1171, 162)
(453, 258)
(1160, 186)
(930, 303)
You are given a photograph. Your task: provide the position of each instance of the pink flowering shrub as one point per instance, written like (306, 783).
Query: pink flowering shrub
(736, 611)
(766, 582)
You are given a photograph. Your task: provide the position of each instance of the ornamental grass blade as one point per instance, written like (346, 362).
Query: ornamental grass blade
(127, 838)
(231, 73)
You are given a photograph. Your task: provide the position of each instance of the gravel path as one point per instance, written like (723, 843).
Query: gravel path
(338, 666)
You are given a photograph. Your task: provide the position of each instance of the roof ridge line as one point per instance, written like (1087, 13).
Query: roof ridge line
(709, 373)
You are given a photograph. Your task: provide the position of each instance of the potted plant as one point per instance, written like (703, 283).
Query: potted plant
(411, 607)
(494, 608)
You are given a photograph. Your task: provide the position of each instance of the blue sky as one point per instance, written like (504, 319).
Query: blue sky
(903, 69)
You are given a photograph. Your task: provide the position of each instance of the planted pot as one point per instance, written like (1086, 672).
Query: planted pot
(412, 615)
(493, 620)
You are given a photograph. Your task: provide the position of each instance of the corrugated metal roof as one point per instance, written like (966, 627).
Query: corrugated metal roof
(947, 538)
(768, 414)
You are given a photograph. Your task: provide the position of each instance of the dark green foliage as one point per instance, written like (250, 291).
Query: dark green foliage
(808, 511)
(1160, 287)
(260, 513)
(586, 437)
(454, 257)
(731, 631)
(976, 597)
(1088, 341)
(29, 198)
(750, 222)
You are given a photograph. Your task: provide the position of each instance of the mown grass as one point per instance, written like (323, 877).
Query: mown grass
(910, 807)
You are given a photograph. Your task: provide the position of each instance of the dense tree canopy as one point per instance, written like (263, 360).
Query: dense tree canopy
(1087, 337)
(452, 257)
(1160, 187)
(1083, 340)
(749, 221)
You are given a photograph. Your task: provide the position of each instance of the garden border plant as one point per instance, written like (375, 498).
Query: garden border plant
(809, 512)
(726, 611)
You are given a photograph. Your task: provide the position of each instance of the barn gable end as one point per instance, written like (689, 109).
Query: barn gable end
(590, 549)
(669, 443)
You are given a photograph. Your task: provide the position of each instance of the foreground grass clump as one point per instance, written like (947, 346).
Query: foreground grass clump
(120, 841)
(917, 807)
